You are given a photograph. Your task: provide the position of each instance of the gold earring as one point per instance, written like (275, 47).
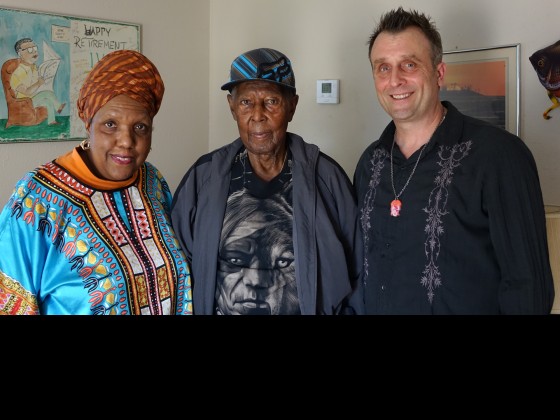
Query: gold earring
(85, 144)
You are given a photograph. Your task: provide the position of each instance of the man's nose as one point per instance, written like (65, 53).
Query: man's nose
(258, 112)
(396, 76)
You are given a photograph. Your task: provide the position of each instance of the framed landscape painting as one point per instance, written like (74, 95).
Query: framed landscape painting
(484, 83)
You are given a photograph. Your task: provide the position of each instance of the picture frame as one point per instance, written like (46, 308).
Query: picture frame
(62, 50)
(484, 83)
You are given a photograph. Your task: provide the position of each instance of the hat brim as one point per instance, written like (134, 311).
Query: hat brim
(230, 85)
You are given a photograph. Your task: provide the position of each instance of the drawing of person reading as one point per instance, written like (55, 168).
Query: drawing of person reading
(36, 82)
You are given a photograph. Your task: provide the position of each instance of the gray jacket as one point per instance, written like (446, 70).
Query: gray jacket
(327, 244)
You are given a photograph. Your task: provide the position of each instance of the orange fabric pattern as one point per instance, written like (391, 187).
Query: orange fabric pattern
(122, 72)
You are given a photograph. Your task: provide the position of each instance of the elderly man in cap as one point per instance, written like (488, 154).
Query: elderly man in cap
(268, 222)
(89, 232)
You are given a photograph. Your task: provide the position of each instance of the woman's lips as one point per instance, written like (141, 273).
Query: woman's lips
(122, 160)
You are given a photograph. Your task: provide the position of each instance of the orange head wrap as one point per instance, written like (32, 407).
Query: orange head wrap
(122, 72)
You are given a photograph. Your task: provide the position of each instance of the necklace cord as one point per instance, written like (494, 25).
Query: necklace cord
(417, 160)
(412, 173)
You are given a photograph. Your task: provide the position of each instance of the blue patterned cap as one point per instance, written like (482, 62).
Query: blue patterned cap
(261, 64)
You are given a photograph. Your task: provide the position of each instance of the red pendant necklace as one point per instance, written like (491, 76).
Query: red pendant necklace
(396, 204)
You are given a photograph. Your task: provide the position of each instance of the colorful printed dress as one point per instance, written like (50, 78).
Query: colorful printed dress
(71, 243)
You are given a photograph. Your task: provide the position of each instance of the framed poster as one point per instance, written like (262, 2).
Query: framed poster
(484, 83)
(44, 60)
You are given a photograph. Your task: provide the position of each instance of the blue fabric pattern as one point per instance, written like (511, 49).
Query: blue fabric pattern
(66, 248)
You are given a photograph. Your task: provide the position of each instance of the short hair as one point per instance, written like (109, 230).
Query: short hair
(17, 47)
(397, 20)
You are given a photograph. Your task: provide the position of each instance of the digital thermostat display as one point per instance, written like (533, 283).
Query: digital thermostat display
(327, 91)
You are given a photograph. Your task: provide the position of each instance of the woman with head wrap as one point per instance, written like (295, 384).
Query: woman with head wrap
(90, 232)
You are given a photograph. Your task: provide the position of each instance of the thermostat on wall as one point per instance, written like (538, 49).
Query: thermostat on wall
(327, 91)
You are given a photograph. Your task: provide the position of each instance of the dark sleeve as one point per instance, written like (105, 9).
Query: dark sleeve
(183, 212)
(347, 219)
(518, 230)
(354, 304)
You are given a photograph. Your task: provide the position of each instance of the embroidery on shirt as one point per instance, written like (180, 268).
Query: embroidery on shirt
(83, 245)
(14, 299)
(377, 163)
(450, 158)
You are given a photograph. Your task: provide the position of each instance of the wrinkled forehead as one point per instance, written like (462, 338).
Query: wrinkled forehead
(257, 85)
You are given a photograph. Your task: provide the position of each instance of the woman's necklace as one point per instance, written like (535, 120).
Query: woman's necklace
(396, 204)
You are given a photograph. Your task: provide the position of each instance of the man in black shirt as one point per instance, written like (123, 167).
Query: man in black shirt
(451, 208)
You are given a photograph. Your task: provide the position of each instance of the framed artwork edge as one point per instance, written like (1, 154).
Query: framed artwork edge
(508, 54)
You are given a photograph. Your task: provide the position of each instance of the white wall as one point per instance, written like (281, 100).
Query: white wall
(194, 41)
(326, 39)
(175, 37)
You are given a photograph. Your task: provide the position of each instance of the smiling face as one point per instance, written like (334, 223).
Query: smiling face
(406, 81)
(262, 112)
(120, 139)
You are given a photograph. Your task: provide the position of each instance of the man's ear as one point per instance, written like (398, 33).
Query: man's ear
(293, 105)
(441, 69)
(231, 107)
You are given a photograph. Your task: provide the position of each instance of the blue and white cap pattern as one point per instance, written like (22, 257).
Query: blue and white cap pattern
(261, 64)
